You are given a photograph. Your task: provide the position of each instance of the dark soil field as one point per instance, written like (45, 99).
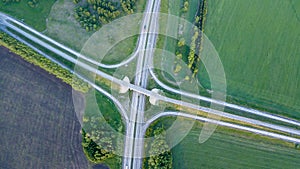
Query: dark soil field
(38, 125)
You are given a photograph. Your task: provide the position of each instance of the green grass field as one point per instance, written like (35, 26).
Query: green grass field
(35, 17)
(227, 150)
(258, 44)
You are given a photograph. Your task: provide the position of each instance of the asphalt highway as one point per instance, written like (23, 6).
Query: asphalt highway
(3, 21)
(138, 88)
(138, 152)
(133, 130)
(6, 18)
(116, 102)
(138, 99)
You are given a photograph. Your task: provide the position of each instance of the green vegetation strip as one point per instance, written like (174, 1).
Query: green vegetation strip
(33, 57)
(160, 155)
(103, 129)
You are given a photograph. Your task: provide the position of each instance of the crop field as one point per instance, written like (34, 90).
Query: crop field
(225, 149)
(33, 16)
(38, 125)
(258, 44)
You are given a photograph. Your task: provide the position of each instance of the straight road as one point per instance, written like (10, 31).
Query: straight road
(138, 99)
(143, 91)
(116, 102)
(4, 18)
(138, 88)
(139, 134)
(3, 21)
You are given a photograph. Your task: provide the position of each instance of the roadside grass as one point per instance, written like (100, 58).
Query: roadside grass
(140, 6)
(63, 27)
(164, 8)
(164, 42)
(229, 148)
(107, 108)
(170, 44)
(39, 125)
(258, 46)
(98, 103)
(126, 47)
(35, 17)
(173, 9)
(114, 163)
(121, 51)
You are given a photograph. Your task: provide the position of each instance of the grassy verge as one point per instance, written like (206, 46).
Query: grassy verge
(63, 27)
(126, 47)
(121, 51)
(183, 47)
(140, 6)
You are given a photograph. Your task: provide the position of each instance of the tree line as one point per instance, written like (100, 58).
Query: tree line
(92, 14)
(197, 39)
(195, 48)
(33, 57)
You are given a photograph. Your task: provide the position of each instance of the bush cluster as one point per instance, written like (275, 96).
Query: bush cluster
(159, 151)
(92, 14)
(195, 48)
(94, 152)
(100, 141)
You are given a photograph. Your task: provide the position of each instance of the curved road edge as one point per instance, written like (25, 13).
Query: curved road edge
(221, 123)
